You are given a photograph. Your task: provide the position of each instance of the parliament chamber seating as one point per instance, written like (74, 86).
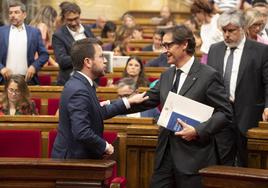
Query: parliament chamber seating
(52, 106)
(111, 138)
(20, 143)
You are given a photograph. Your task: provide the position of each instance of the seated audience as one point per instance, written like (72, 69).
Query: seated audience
(254, 24)
(128, 20)
(127, 87)
(109, 31)
(156, 46)
(100, 23)
(160, 61)
(135, 69)
(45, 20)
(16, 98)
(119, 49)
(137, 33)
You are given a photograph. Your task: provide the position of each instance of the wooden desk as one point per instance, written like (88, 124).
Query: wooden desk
(234, 177)
(258, 146)
(40, 173)
(137, 141)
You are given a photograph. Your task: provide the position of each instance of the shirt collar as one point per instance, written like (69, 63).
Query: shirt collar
(88, 79)
(20, 28)
(81, 30)
(187, 66)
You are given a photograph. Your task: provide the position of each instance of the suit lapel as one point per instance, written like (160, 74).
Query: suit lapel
(6, 37)
(69, 37)
(191, 78)
(244, 60)
(220, 56)
(170, 78)
(29, 37)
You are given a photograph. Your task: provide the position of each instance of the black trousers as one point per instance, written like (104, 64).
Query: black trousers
(167, 176)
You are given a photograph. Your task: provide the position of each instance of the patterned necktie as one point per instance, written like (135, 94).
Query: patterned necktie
(228, 70)
(177, 81)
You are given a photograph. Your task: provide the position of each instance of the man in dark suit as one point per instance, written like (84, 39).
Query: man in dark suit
(19, 45)
(180, 155)
(80, 114)
(160, 61)
(156, 46)
(63, 39)
(246, 82)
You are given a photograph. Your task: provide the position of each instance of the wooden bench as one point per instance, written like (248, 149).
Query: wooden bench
(40, 173)
(258, 146)
(137, 136)
(234, 177)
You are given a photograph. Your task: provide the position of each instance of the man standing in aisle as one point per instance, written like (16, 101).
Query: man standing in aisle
(244, 66)
(19, 45)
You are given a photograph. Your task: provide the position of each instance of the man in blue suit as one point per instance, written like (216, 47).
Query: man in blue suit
(81, 117)
(63, 39)
(19, 45)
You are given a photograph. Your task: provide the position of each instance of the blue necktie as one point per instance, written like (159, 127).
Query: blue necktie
(228, 70)
(177, 81)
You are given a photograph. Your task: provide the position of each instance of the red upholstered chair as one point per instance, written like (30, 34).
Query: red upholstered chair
(52, 106)
(44, 79)
(37, 102)
(20, 143)
(116, 79)
(103, 81)
(110, 137)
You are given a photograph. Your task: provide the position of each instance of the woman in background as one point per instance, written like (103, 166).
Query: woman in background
(45, 20)
(254, 24)
(16, 98)
(135, 69)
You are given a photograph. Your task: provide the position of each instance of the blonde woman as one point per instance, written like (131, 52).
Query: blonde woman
(45, 21)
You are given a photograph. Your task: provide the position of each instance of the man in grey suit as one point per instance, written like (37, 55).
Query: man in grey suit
(246, 81)
(180, 155)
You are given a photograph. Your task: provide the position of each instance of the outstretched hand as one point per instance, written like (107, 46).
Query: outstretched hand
(188, 132)
(137, 98)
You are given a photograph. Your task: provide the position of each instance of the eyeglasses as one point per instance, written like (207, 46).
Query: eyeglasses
(167, 45)
(13, 91)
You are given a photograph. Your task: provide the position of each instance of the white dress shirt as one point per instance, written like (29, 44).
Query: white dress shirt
(235, 68)
(78, 35)
(17, 60)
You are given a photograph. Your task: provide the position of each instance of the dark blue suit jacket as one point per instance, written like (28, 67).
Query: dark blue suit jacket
(81, 121)
(160, 61)
(62, 42)
(34, 45)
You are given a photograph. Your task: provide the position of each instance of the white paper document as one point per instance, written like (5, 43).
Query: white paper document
(188, 110)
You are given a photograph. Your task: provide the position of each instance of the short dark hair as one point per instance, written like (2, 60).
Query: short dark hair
(17, 4)
(181, 34)
(82, 49)
(108, 27)
(69, 7)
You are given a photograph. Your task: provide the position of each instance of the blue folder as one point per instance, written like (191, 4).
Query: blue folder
(173, 125)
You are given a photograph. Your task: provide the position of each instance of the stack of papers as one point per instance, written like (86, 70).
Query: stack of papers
(188, 110)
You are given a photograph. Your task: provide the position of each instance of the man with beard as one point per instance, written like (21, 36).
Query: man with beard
(244, 66)
(180, 155)
(80, 115)
(63, 39)
(19, 45)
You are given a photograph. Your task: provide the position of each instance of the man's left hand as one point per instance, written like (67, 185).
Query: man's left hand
(30, 73)
(265, 114)
(188, 132)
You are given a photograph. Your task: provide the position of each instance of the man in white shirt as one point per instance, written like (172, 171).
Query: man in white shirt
(63, 39)
(19, 45)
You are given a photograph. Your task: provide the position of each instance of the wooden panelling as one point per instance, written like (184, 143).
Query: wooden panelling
(49, 173)
(234, 177)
